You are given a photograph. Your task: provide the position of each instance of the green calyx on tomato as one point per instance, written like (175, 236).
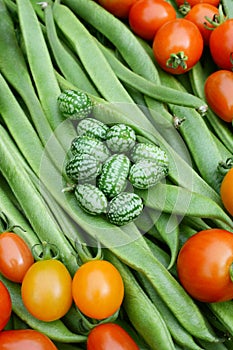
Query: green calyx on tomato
(177, 60)
(45, 251)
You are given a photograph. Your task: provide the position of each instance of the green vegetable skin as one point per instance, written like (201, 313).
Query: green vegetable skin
(188, 199)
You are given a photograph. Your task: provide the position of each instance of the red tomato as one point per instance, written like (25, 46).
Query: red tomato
(197, 15)
(178, 46)
(98, 289)
(194, 2)
(119, 8)
(5, 306)
(110, 336)
(15, 256)
(25, 339)
(46, 290)
(221, 45)
(204, 263)
(146, 16)
(218, 92)
(226, 191)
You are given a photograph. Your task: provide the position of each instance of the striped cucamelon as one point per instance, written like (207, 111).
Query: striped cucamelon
(74, 104)
(113, 177)
(83, 167)
(124, 208)
(93, 128)
(120, 138)
(148, 151)
(146, 173)
(92, 146)
(91, 199)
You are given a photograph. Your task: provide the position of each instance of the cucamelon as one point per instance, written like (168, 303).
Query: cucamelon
(83, 167)
(148, 151)
(93, 128)
(120, 138)
(124, 208)
(74, 104)
(146, 173)
(92, 146)
(113, 177)
(91, 199)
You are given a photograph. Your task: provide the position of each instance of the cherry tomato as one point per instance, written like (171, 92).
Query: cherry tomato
(15, 256)
(194, 2)
(218, 92)
(226, 191)
(197, 15)
(5, 305)
(178, 46)
(98, 289)
(204, 264)
(221, 45)
(110, 336)
(25, 339)
(146, 16)
(46, 290)
(119, 8)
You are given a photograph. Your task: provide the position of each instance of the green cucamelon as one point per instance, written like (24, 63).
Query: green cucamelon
(120, 138)
(74, 104)
(123, 208)
(92, 146)
(148, 151)
(113, 177)
(146, 173)
(83, 167)
(91, 199)
(93, 128)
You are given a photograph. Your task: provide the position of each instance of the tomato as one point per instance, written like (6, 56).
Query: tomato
(226, 191)
(194, 2)
(25, 339)
(221, 45)
(218, 92)
(46, 290)
(197, 15)
(178, 46)
(204, 263)
(119, 8)
(5, 305)
(98, 289)
(15, 256)
(146, 16)
(110, 336)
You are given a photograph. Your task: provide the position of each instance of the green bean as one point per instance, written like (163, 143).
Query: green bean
(223, 311)
(56, 330)
(42, 70)
(228, 8)
(141, 311)
(67, 63)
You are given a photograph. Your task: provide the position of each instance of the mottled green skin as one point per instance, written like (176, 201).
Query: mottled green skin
(124, 208)
(120, 138)
(113, 177)
(146, 173)
(91, 199)
(92, 146)
(148, 151)
(83, 167)
(74, 104)
(93, 128)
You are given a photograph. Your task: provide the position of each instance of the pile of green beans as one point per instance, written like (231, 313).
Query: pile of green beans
(48, 47)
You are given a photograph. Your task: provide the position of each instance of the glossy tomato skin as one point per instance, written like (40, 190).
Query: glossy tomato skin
(146, 16)
(203, 265)
(46, 290)
(173, 37)
(15, 256)
(98, 289)
(221, 45)
(197, 15)
(226, 191)
(218, 92)
(25, 339)
(194, 2)
(110, 336)
(119, 8)
(5, 306)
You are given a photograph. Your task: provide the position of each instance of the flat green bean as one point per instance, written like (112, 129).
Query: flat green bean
(223, 311)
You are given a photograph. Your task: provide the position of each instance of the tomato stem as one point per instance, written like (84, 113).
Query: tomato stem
(185, 8)
(176, 60)
(84, 254)
(47, 251)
